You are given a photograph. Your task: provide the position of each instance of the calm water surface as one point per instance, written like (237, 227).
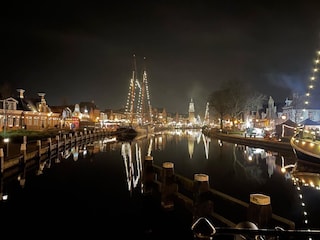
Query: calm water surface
(96, 189)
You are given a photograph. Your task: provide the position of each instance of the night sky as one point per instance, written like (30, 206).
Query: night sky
(81, 51)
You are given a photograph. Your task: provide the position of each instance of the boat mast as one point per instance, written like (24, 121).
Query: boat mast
(146, 110)
(206, 120)
(129, 111)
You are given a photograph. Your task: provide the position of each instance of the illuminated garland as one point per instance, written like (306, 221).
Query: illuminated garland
(312, 78)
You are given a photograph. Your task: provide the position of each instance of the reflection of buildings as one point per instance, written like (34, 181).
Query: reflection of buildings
(271, 163)
(193, 135)
(190, 145)
(253, 158)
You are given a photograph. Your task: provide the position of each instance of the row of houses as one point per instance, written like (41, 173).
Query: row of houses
(35, 114)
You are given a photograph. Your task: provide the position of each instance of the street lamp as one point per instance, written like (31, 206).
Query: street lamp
(6, 141)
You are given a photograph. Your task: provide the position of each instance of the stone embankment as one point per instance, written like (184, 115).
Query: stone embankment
(268, 144)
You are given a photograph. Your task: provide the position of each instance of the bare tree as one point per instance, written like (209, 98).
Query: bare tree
(234, 99)
(255, 102)
(220, 104)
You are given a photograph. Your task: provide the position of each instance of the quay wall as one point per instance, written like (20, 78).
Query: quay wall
(268, 144)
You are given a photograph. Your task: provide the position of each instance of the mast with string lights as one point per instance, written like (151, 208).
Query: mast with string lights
(138, 107)
(313, 78)
(129, 110)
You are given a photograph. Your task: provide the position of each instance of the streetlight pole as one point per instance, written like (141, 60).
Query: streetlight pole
(4, 118)
(5, 139)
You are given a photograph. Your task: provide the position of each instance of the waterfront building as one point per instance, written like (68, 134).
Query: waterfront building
(297, 113)
(32, 114)
(82, 115)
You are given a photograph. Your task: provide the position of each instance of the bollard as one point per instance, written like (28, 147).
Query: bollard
(168, 186)
(260, 210)
(202, 197)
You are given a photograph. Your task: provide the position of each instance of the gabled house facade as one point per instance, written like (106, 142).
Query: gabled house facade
(32, 114)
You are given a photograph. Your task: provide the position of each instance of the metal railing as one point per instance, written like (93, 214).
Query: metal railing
(204, 229)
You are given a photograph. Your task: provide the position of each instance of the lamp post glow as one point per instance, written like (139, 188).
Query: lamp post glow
(6, 141)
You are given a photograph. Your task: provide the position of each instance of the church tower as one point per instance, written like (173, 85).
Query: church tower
(192, 118)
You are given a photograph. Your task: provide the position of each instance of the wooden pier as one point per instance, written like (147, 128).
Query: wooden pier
(49, 147)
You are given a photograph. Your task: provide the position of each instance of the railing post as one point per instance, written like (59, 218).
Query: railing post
(65, 142)
(202, 197)
(148, 175)
(168, 186)
(260, 210)
(58, 141)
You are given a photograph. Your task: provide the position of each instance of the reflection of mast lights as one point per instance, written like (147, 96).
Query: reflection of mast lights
(296, 182)
(285, 167)
(206, 143)
(132, 175)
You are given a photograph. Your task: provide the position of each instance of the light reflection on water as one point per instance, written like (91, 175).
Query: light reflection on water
(237, 170)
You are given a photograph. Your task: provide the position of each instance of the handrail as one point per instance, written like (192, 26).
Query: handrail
(204, 229)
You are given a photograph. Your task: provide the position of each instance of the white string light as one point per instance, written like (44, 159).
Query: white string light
(313, 78)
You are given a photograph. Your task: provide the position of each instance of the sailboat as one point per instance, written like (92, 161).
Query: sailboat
(138, 109)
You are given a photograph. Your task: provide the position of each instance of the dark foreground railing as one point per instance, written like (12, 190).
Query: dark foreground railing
(204, 229)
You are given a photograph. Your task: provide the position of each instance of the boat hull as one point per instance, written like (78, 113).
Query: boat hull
(306, 150)
(125, 133)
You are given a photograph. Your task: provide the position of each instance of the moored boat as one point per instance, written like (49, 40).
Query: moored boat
(125, 133)
(306, 149)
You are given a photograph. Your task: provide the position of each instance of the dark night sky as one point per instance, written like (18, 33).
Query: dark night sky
(76, 51)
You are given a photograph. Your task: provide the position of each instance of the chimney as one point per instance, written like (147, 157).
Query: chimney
(21, 91)
(41, 95)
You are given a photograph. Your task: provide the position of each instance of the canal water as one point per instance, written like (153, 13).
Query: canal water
(95, 190)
